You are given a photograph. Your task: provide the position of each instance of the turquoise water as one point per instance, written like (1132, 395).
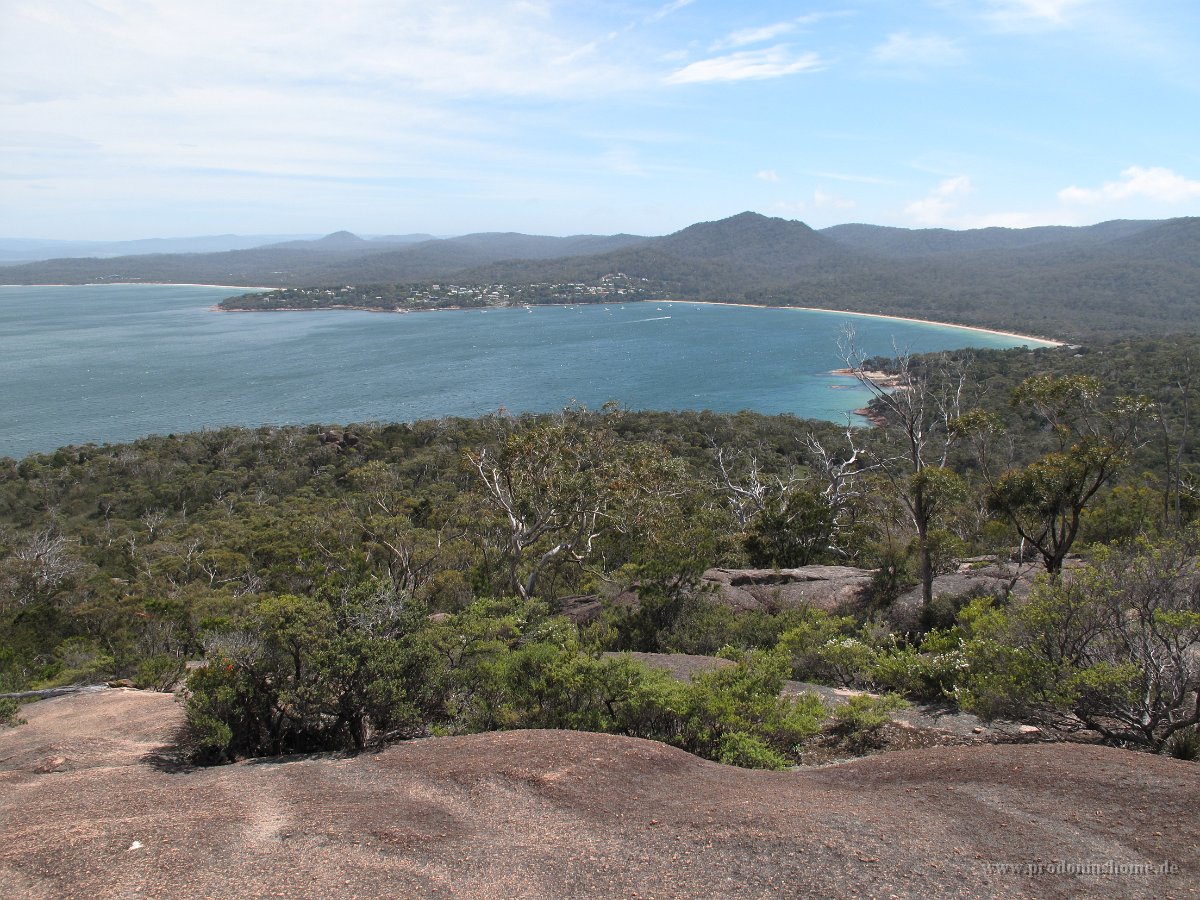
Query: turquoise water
(106, 363)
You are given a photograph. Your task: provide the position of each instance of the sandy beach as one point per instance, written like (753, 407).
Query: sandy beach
(1034, 339)
(1047, 342)
(883, 379)
(1041, 341)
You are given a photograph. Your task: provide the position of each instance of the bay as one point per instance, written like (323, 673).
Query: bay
(109, 363)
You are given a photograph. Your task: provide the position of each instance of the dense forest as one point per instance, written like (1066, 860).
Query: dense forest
(351, 584)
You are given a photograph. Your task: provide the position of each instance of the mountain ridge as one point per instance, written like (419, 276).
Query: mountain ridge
(1115, 277)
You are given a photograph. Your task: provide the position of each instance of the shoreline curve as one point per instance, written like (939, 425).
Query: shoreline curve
(1044, 341)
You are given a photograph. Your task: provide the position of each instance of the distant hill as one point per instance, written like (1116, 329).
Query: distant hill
(1110, 279)
(1115, 278)
(339, 241)
(440, 259)
(17, 250)
(709, 260)
(20, 250)
(402, 238)
(333, 259)
(908, 242)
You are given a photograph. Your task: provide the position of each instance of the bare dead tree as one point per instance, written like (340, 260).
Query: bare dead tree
(918, 404)
(749, 494)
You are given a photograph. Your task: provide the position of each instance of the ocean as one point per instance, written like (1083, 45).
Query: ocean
(110, 363)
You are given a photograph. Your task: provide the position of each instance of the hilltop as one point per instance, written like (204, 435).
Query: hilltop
(94, 807)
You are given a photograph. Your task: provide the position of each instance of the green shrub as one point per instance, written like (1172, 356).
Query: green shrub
(159, 673)
(80, 660)
(903, 669)
(8, 712)
(740, 749)
(860, 720)
(893, 574)
(745, 697)
(307, 675)
(943, 612)
(928, 671)
(734, 714)
(705, 626)
(1111, 648)
(553, 685)
(793, 530)
(1185, 744)
(828, 649)
(209, 739)
(313, 674)
(847, 661)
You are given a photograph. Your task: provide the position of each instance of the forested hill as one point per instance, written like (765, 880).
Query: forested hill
(1110, 279)
(335, 259)
(907, 243)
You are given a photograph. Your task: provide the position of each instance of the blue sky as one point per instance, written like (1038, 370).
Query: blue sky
(141, 118)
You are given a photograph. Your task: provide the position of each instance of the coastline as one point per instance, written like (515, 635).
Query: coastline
(883, 379)
(369, 309)
(1040, 341)
(232, 287)
(1047, 342)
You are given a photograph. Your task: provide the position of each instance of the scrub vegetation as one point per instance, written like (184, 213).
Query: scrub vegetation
(344, 586)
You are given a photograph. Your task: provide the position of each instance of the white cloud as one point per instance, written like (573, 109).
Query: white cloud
(786, 208)
(745, 36)
(386, 91)
(857, 179)
(773, 62)
(1033, 13)
(623, 160)
(937, 207)
(467, 49)
(825, 200)
(587, 49)
(767, 175)
(1137, 182)
(903, 48)
(666, 9)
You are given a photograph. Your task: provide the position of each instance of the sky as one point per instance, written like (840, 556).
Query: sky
(124, 119)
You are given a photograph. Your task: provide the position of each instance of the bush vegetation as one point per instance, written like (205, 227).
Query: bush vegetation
(349, 586)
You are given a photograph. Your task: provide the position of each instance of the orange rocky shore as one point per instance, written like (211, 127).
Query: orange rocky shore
(96, 804)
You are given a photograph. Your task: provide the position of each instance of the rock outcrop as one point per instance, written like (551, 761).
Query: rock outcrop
(830, 588)
(836, 589)
(342, 440)
(90, 809)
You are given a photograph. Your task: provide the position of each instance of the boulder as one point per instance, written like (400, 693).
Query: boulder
(582, 608)
(829, 588)
(978, 576)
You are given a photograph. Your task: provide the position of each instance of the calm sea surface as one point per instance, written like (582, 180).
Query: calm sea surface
(110, 363)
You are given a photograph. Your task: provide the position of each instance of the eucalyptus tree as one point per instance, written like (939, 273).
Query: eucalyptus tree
(1093, 438)
(561, 485)
(916, 404)
(783, 519)
(1114, 648)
